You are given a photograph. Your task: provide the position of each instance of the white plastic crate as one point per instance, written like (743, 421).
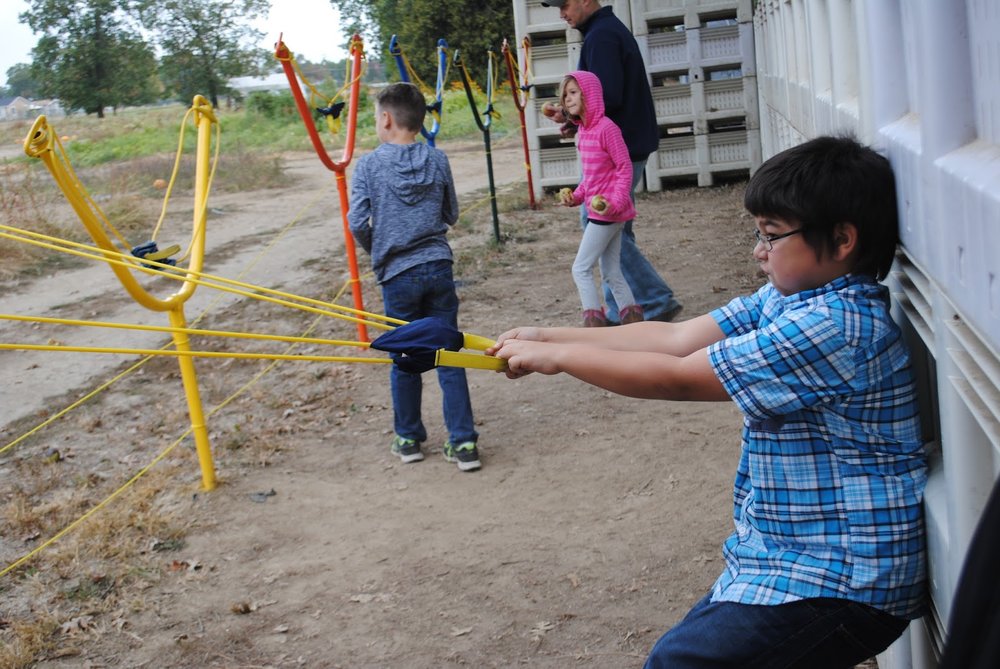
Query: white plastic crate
(676, 156)
(723, 45)
(728, 97)
(673, 103)
(664, 51)
(558, 166)
(551, 61)
(691, 12)
(728, 150)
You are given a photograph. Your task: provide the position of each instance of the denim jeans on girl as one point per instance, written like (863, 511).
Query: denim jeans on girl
(809, 633)
(419, 292)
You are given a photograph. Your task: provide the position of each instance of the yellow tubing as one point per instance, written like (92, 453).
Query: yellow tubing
(476, 342)
(197, 415)
(445, 358)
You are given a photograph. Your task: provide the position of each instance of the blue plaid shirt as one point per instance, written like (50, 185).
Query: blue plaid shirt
(829, 489)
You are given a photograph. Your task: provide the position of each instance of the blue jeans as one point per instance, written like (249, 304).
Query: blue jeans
(650, 290)
(811, 633)
(421, 291)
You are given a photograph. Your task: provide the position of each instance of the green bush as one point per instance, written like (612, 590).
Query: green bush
(271, 105)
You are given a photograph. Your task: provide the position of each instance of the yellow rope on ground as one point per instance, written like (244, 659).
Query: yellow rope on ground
(51, 419)
(66, 530)
(100, 505)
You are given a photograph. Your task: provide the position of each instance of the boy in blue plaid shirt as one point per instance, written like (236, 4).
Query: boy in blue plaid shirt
(826, 564)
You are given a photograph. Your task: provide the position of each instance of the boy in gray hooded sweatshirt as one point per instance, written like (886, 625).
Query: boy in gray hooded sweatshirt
(402, 202)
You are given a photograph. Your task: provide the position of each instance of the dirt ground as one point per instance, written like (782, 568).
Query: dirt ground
(593, 525)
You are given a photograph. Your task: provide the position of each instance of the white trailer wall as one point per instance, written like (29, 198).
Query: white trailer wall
(920, 80)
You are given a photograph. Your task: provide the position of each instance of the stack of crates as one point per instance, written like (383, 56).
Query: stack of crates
(699, 57)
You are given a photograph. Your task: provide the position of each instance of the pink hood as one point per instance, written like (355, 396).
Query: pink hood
(593, 96)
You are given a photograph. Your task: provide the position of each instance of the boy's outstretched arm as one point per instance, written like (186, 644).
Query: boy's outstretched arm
(630, 373)
(679, 339)
(648, 360)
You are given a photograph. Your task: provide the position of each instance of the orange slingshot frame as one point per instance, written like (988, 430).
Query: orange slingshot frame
(339, 168)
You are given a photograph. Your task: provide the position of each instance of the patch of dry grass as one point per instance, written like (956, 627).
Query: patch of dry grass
(100, 567)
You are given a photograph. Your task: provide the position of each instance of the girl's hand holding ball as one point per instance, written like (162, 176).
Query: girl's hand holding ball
(598, 204)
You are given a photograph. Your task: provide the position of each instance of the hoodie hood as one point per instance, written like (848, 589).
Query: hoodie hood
(593, 96)
(411, 168)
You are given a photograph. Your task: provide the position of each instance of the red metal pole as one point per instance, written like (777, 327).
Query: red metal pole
(339, 168)
(514, 89)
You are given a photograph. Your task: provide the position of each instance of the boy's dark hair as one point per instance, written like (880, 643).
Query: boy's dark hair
(831, 180)
(406, 104)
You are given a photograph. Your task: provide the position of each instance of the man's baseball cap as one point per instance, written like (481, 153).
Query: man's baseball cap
(553, 3)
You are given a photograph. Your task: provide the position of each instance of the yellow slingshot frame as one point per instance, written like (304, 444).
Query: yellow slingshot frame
(43, 143)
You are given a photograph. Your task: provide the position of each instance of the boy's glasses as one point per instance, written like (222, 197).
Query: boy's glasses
(768, 240)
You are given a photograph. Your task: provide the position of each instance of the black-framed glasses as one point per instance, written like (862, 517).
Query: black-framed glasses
(768, 240)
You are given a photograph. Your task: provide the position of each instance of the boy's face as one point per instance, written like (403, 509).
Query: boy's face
(791, 264)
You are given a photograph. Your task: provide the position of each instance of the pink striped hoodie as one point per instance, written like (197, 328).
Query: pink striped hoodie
(607, 168)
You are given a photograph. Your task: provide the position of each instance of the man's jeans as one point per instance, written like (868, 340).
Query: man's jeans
(421, 291)
(650, 290)
(810, 634)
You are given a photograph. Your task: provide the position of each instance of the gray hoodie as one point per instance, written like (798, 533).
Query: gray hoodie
(402, 202)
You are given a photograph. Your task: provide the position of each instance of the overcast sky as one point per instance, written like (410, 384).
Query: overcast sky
(311, 29)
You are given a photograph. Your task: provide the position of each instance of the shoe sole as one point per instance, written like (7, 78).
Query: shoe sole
(407, 458)
(465, 466)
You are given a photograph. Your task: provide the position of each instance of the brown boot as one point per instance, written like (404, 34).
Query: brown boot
(594, 318)
(631, 314)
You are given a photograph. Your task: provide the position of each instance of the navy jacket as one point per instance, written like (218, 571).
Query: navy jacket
(611, 52)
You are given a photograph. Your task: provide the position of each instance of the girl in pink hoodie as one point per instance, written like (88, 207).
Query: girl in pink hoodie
(604, 188)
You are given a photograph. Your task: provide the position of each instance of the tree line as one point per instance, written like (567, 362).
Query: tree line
(105, 54)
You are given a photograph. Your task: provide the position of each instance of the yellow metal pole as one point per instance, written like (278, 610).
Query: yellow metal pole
(190, 379)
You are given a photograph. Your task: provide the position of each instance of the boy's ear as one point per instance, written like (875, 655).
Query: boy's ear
(845, 240)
